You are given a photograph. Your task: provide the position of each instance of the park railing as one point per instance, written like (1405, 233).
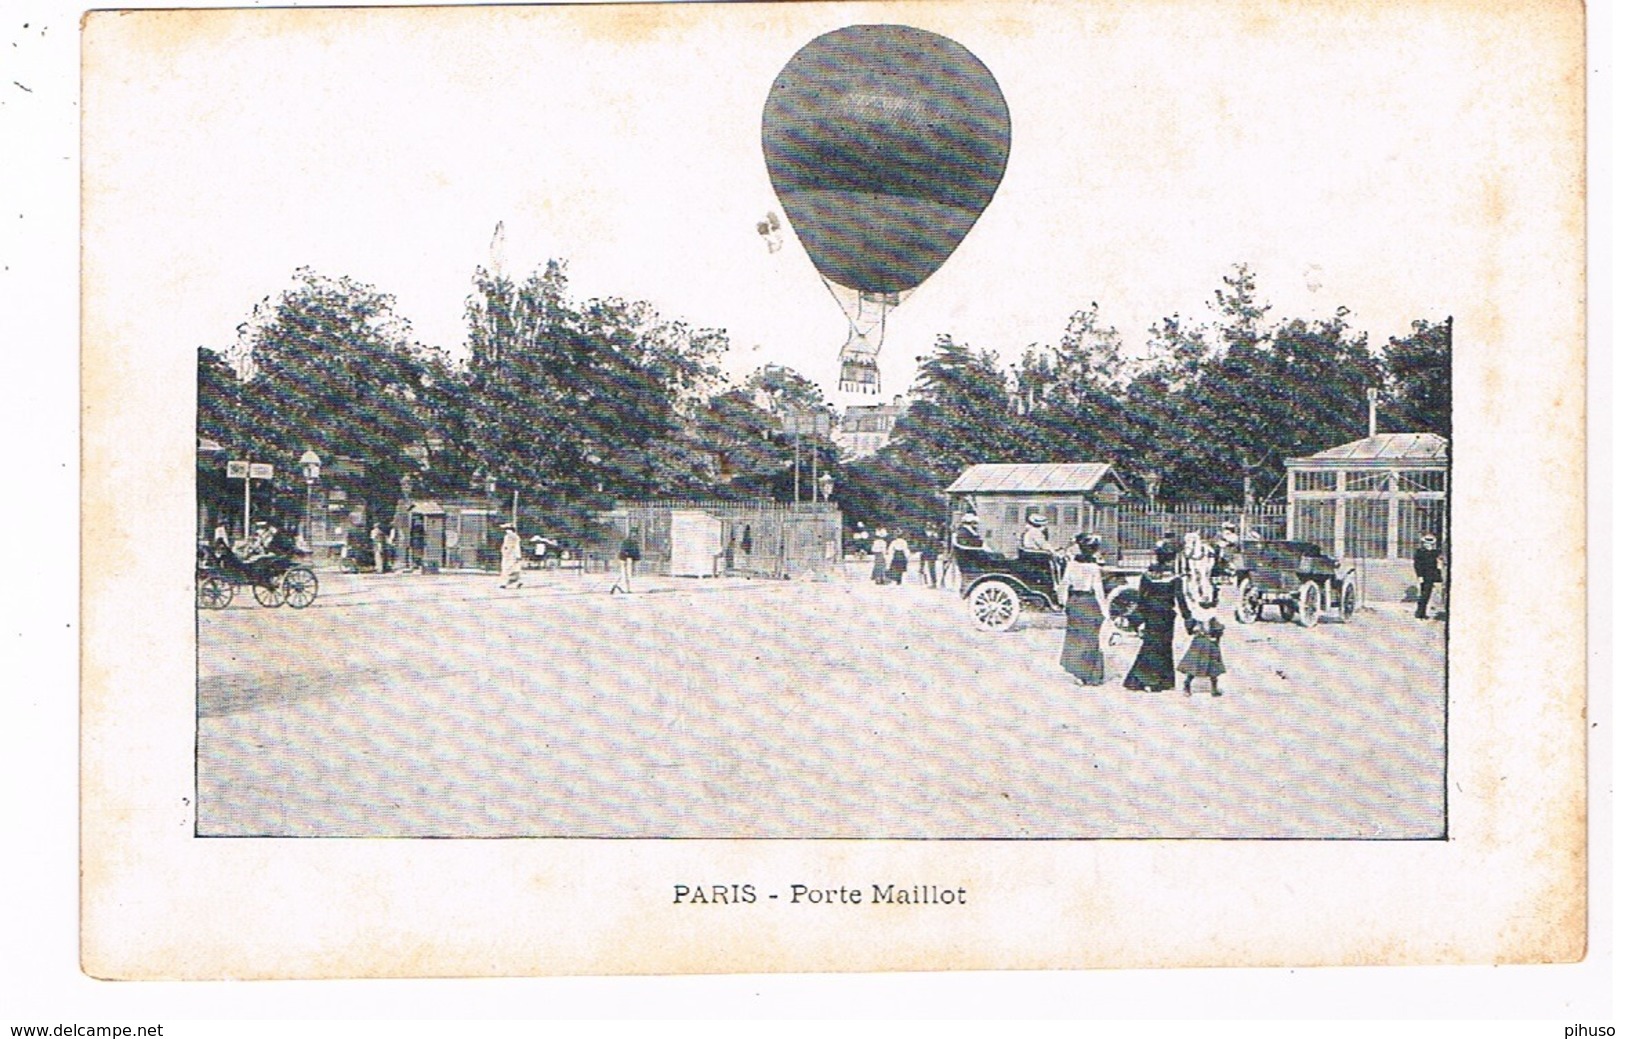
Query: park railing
(1140, 525)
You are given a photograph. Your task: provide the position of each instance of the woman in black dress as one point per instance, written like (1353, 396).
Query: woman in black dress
(1161, 595)
(1082, 589)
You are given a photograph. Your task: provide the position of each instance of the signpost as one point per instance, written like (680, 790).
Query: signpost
(248, 472)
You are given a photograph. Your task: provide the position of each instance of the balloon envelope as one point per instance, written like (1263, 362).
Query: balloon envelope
(884, 143)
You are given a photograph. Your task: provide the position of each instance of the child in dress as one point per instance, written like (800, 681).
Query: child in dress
(1203, 658)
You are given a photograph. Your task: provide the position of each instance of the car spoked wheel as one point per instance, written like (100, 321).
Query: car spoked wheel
(1309, 604)
(1247, 603)
(1120, 605)
(1348, 600)
(995, 606)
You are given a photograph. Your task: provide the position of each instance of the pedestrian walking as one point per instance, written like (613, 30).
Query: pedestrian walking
(899, 559)
(1428, 574)
(1082, 589)
(631, 552)
(878, 550)
(1202, 658)
(512, 557)
(377, 548)
(1161, 595)
(930, 548)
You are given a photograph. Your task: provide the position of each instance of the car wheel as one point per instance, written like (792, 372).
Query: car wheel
(1348, 599)
(1247, 604)
(1120, 606)
(1309, 603)
(995, 605)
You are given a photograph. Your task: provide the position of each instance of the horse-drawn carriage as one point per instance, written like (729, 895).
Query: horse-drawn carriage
(1295, 577)
(275, 580)
(998, 587)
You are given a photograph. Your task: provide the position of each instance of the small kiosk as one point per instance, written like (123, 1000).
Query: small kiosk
(1075, 497)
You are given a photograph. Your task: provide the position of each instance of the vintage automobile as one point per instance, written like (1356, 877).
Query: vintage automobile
(1297, 578)
(998, 587)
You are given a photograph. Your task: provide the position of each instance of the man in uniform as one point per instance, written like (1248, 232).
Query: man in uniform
(1426, 563)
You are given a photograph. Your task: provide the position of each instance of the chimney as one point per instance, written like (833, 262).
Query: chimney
(1371, 411)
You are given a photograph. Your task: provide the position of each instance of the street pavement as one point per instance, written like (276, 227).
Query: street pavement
(441, 705)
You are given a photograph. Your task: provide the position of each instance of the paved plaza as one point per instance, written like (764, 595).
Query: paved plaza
(439, 705)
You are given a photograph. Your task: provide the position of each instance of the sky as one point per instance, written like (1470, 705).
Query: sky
(1151, 150)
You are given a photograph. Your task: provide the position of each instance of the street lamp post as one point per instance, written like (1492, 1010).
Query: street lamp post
(311, 463)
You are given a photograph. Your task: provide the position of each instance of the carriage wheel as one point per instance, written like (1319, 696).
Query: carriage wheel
(1247, 604)
(270, 595)
(1348, 599)
(1120, 607)
(995, 605)
(299, 587)
(1309, 603)
(214, 593)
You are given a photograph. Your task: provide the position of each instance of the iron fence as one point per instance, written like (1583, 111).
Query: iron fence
(1140, 526)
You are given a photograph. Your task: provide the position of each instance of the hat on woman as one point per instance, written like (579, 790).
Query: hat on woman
(1037, 519)
(1166, 553)
(1429, 539)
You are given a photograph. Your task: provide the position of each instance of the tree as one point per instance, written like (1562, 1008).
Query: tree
(960, 415)
(570, 400)
(1418, 369)
(1240, 313)
(329, 365)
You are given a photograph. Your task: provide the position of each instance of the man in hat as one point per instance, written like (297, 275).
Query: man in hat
(1426, 562)
(259, 543)
(969, 532)
(512, 554)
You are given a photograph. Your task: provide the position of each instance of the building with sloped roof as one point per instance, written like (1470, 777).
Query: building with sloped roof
(1075, 497)
(1370, 501)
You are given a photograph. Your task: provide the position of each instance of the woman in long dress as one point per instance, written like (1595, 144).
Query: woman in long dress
(879, 550)
(1161, 595)
(1082, 588)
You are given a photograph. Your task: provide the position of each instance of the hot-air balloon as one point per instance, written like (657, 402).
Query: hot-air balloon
(884, 144)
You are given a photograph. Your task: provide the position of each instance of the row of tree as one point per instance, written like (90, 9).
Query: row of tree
(1211, 409)
(573, 404)
(567, 404)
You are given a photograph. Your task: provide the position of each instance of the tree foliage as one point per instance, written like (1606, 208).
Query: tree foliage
(1419, 377)
(574, 403)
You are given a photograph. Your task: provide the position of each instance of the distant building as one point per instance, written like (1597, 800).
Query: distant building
(866, 428)
(1371, 501)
